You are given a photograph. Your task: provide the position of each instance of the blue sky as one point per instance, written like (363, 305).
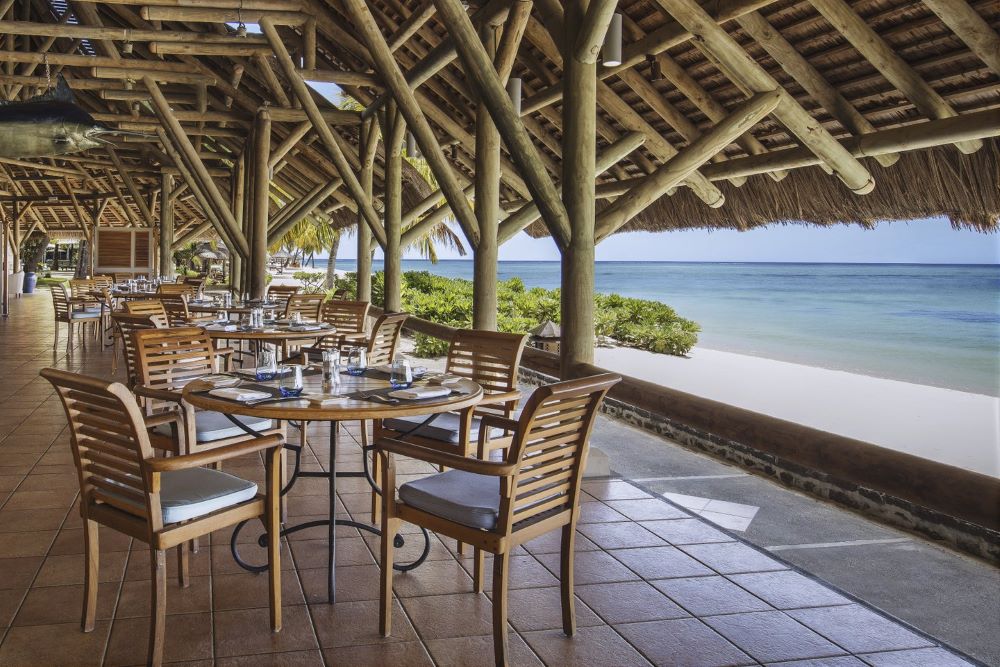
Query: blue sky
(921, 241)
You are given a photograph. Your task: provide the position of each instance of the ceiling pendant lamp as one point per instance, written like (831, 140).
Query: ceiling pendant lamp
(412, 150)
(514, 91)
(611, 52)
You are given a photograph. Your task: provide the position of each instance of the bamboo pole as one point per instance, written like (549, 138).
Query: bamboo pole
(278, 231)
(885, 59)
(119, 197)
(411, 25)
(479, 69)
(971, 28)
(592, 31)
(294, 137)
(323, 130)
(431, 220)
(407, 104)
(261, 204)
(166, 227)
(216, 15)
(745, 116)
(341, 78)
(367, 149)
(487, 203)
(746, 72)
(238, 182)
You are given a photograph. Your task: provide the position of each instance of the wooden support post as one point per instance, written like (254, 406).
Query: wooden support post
(487, 182)
(340, 161)
(579, 112)
(393, 199)
(411, 25)
(595, 26)
(368, 149)
(261, 204)
(238, 190)
(702, 149)
(971, 28)
(480, 71)
(147, 215)
(166, 226)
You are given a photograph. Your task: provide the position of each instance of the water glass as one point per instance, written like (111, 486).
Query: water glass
(331, 370)
(267, 365)
(357, 361)
(401, 375)
(297, 317)
(291, 381)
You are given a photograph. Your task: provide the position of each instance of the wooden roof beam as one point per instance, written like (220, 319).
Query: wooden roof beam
(302, 93)
(884, 58)
(595, 26)
(971, 28)
(412, 24)
(690, 158)
(748, 74)
(126, 177)
(221, 15)
(341, 78)
(119, 34)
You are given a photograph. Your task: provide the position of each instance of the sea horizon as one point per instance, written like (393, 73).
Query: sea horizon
(935, 324)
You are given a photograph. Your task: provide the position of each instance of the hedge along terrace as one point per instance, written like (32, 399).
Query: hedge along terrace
(640, 323)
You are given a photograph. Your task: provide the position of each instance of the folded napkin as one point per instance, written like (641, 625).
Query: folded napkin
(305, 327)
(221, 327)
(237, 394)
(325, 400)
(219, 380)
(416, 393)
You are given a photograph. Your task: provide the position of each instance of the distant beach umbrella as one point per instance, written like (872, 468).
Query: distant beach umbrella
(208, 254)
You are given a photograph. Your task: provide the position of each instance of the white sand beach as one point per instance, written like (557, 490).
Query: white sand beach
(954, 427)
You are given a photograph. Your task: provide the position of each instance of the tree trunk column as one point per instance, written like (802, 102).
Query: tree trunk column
(166, 225)
(487, 206)
(393, 210)
(579, 160)
(261, 187)
(369, 134)
(238, 189)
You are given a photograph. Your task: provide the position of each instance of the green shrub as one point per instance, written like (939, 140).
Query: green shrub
(312, 281)
(639, 323)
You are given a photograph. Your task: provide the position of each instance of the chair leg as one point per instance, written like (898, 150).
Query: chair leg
(183, 567)
(389, 527)
(501, 572)
(157, 606)
(478, 560)
(566, 578)
(55, 341)
(272, 522)
(92, 566)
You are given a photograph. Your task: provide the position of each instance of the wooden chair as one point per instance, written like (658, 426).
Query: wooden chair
(384, 338)
(71, 313)
(104, 282)
(166, 289)
(149, 307)
(125, 325)
(307, 305)
(349, 318)
(121, 277)
(178, 313)
(498, 505)
(281, 293)
(159, 501)
(166, 360)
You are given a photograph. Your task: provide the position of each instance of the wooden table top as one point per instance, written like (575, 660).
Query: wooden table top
(465, 394)
(277, 333)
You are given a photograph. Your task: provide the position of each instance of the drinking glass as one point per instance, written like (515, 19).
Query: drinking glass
(297, 317)
(357, 361)
(290, 383)
(267, 365)
(401, 375)
(331, 370)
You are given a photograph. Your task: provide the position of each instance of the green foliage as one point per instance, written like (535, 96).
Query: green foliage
(639, 323)
(312, 281)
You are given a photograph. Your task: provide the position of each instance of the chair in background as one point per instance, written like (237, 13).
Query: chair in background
(281, 293)
(121, 277)
(178, 313)
(307, 305)
(349, 318)
(125, 325)
(163, 502)
(149, 307)
(172, 289)
(385, 338)
(498, 505)
(72, 313)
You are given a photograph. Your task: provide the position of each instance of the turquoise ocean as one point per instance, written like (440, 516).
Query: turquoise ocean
(930, 324)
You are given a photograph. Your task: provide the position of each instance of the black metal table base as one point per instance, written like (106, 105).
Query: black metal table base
(331, 523)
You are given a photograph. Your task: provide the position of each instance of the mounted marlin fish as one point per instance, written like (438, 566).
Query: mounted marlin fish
(49, 124)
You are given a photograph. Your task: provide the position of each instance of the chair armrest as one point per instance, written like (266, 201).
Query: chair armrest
(496, 421)
(493, 399)
(200, 459)
(159, 394)
(492, 468)
(162, 418)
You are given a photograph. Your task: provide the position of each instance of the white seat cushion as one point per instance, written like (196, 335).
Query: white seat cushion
(463, 497)
(445, 427)
(186, 494)
(210, 426)
(85, 315)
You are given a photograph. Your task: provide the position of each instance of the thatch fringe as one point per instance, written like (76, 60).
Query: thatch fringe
(922, 184)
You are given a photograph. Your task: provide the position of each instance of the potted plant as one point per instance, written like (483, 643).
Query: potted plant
(33, 254)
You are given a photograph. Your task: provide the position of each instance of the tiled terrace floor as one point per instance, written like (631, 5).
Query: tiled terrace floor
(654, 583)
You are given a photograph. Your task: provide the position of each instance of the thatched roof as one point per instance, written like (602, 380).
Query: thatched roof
(669, 90)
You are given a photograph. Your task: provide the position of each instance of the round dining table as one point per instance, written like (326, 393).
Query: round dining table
(361, 397)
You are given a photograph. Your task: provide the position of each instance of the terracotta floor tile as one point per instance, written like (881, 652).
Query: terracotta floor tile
(628, 602)
(444, 616)
(439, 577)
(660, 563)
(478, 651)
(550, 543)
(68, 570)
(733, 558)
(310, 554)
(835, 661)
(10, 600)
(18, 572)
(647, 509)
(622, 535)
(708, 596)
(248, 632)
(354, 582)
(591, 567)
(248, 590)
(18, 545)
(686, 531)
(858, 629)
(199, 564)
(70, 539)
(188, 637)
(30, 520)
(788, 589)
(598, 512)
(921, 657)
(541, 609)
(135, 596)
(525, 572)
(555, 648)
(684, 641)
(771, 636)
(354, 623)
(62, 644)
(402, 654)
(288, 659)
(63, 604)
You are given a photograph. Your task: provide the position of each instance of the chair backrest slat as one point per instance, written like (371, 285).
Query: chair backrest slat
(308, 305)
(385, 337)
(126, 325)
(281, 293)
(346, 316)
(550, 448)
(60, 301)
(145, 307)
(168, 358)
(80, 287)
(488, 358)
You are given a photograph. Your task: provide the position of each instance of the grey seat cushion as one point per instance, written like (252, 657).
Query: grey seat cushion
(463, 497)
(187, 494)
(445, 427)
(86, 315)
(211, 426)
